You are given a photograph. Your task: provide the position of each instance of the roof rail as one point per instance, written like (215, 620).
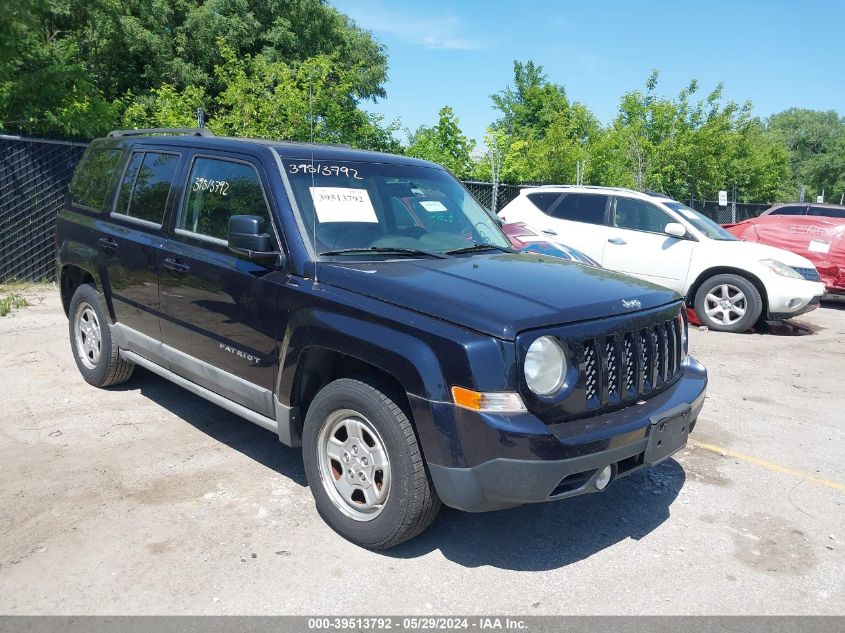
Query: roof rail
(186, 131)
(596, 187)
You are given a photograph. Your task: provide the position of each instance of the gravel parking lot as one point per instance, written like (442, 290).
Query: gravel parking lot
(145, 499)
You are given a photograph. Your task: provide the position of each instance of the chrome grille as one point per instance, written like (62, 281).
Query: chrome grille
(631, 365)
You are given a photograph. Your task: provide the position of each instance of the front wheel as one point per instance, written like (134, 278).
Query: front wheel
(728, 303)
(364, 466)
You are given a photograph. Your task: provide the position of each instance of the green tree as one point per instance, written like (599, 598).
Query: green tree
(270, 99)
(684, 147)
(444, 144)
(540, 134)
(67, 66)
(815, 141)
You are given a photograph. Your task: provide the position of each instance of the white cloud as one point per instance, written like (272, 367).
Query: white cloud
(443, 31)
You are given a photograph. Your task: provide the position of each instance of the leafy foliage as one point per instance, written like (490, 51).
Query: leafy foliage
(443, 143)
(679, 146)
(76, 68)
(816, 144)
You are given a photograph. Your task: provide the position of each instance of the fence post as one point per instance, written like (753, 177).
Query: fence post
(733, 208)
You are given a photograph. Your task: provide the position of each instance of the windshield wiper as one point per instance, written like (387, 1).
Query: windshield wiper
(479, 247)
(383, 250)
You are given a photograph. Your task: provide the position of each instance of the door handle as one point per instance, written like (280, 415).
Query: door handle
(176, 267)
(108, 244)
(617, 240)
(549, 232)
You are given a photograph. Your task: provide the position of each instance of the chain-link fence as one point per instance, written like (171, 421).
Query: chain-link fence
(483, 192)
(726, 215)
(34, 176)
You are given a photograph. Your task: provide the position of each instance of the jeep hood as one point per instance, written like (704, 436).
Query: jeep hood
(498, 294)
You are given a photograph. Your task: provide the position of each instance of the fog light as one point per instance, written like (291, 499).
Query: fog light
(792, 303)
(604, 478)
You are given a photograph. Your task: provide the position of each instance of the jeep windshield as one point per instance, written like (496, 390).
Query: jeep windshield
(381, 210)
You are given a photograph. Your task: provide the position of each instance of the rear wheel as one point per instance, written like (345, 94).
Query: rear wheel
(365, 467)
(728, 303)
(94, 349)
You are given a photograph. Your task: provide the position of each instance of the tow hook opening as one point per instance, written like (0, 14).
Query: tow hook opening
(594, 479)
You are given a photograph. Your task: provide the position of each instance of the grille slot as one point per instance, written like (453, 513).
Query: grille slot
(632, 364)
(591, 374)
(611, 367)
(629, 364)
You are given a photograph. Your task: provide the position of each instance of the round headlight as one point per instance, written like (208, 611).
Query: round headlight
(545, 366)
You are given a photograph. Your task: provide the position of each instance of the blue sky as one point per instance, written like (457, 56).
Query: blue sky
(776, 54)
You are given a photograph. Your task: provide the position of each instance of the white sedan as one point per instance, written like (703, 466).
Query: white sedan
(730, 283)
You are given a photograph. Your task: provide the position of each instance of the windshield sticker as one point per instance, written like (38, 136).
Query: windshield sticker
(818, 246)
(324, 170)
(342, 204)
(433, 206)
(212, 186)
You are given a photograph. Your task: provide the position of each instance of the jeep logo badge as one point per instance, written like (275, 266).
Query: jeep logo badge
(631, 304)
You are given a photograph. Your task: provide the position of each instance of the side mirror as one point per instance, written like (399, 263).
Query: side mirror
(675, 229)
(247, 237)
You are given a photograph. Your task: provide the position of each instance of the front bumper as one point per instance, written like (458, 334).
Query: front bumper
(791, 297)
(811, 305)
(508, 461)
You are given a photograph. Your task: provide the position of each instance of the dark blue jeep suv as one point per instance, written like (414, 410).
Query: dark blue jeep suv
(364, 307)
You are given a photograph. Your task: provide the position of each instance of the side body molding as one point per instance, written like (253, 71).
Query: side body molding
(261, 407)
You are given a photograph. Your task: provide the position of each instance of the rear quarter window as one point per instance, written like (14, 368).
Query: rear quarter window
(543, 201)
(827, 212)
(93, 178)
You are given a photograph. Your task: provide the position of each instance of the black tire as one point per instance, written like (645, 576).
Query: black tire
(107, 368)
(715, 286)
(411, 503)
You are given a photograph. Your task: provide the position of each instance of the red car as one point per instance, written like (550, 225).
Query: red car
(814, 231)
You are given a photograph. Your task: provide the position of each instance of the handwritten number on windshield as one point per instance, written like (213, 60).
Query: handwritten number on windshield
(324, 170)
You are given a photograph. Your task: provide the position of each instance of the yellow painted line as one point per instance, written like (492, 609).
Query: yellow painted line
(769, 465)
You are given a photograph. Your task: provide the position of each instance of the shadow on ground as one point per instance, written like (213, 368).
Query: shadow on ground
(257, 443)
(551, 535)
(530, 538)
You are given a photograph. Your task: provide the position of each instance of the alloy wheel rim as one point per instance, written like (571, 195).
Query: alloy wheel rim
(725, 304)
(89, 337)
(354, 465)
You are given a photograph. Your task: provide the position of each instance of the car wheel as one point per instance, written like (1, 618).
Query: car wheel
(94, 350)
(365, 467)
(728, 303)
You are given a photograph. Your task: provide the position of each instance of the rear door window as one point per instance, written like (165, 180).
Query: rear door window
(146, 186)
(581, 207)
(639, 215)
(93, 178)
